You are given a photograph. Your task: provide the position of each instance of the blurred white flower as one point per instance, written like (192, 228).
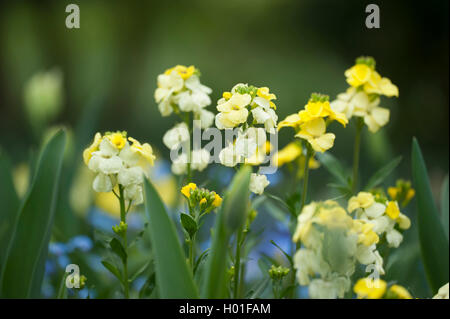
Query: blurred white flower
(257, 183)
(176, 136)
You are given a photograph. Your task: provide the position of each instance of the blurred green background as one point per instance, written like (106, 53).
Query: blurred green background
(109, 68)
(294, 47)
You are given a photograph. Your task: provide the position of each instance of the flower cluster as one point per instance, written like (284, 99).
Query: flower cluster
(235, 107)
(333, 243)
(251, 111)
(310, 124)
(362, 98)
(202, 198)
(384, 215)
(369, 288)
(118, 160)
(401, 192)
(180, 91)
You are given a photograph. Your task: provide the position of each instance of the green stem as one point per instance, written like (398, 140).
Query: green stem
(191, 244)
(237, 264)
(188, 121)
(356, 151)
(123, 215)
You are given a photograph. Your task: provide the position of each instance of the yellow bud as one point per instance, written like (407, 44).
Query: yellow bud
(186, 190)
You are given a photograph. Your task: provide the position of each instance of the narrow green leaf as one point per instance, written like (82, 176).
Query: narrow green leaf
(62, 291)
(444, 205)
(230, 218)
(188, 224)
(140, 271)
(259, 288)
(289, 258)
(112, 269)
(173, 277)
(118, 249)
(25, 262)
(433, 242)
(333, 166)
(10, 204)
(382, 173)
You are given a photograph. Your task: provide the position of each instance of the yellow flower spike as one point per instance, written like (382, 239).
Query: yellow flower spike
(186, 190)
(145, 150)
(217, 200)
(117, 139)
(369, 288)
(392, 210)
(398, 292)
(87, 154)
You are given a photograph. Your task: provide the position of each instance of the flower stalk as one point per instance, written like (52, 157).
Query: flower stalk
(356, 151)
(123, 215)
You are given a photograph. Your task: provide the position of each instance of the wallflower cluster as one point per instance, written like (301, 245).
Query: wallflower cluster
(310, 124)
(333, 244)
(202, 198)
(180, 91)
(251, 111)
(362, 98)
(118, 160)
(384, 215)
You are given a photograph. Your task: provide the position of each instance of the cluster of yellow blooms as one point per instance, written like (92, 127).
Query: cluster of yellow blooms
(362, 98)
(310, 124)
(206, 200)
(369, 288)
(235, 107)
(384, 215)
(118, 160)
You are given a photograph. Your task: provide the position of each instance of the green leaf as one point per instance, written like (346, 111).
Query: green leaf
(173, 277)
(189, 224)
(444, 205)
(10, 204)
(259, 288)
(25, 263)
(289, 258)
(230, 218)
(62, 291)
(118, 249)
(382, 173)
(333, 166)
(112, 269)
(433, 242)
(140, 271)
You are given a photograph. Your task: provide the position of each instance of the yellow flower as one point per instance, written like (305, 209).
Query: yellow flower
(369, 288)
(217, 200)
(227, 95)
(392, 210)
(145, 150)
(401, 192)
(399, 292)
(358, 74)
(314, 132)
(87, 154)
(365, 232)
(203, 201)
(264, 93)
(362, 200)
(292, 120)
(186, 190)
(288, 154)
(117, 139)
(233, 111)
(379, 85)
(183, 71)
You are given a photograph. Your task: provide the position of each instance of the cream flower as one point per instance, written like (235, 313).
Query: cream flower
(442, 293)
(257, 183)
(200, 159)
(233, 111)
(177, 135)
